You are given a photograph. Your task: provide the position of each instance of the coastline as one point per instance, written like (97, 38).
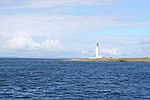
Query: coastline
(112, 59)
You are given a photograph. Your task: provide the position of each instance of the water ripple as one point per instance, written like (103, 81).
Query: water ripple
(33, 79)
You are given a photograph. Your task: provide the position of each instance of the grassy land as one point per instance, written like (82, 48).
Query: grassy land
(114, 59)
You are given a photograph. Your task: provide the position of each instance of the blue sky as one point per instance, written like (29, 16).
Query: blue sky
(71, 28)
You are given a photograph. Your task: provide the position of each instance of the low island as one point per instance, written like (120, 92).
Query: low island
(113, 59)
(99, 58)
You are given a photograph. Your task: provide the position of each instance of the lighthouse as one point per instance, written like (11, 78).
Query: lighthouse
(97, 51)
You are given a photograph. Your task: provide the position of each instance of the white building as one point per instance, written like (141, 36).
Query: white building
(97, 51)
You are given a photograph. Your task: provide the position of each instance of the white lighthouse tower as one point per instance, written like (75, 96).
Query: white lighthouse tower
(97, 51)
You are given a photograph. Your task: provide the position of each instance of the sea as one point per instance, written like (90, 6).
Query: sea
(60, 79)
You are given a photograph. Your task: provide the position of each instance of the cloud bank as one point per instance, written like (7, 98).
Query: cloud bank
(25, 42)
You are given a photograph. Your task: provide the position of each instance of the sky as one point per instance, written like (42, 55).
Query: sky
(72, 28)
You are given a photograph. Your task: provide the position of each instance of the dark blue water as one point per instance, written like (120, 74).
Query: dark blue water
(45, 79)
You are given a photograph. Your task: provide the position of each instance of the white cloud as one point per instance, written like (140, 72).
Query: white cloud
(53, 45)
(145, 41)
(112, 51)
(25, 42)
(22, 42)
